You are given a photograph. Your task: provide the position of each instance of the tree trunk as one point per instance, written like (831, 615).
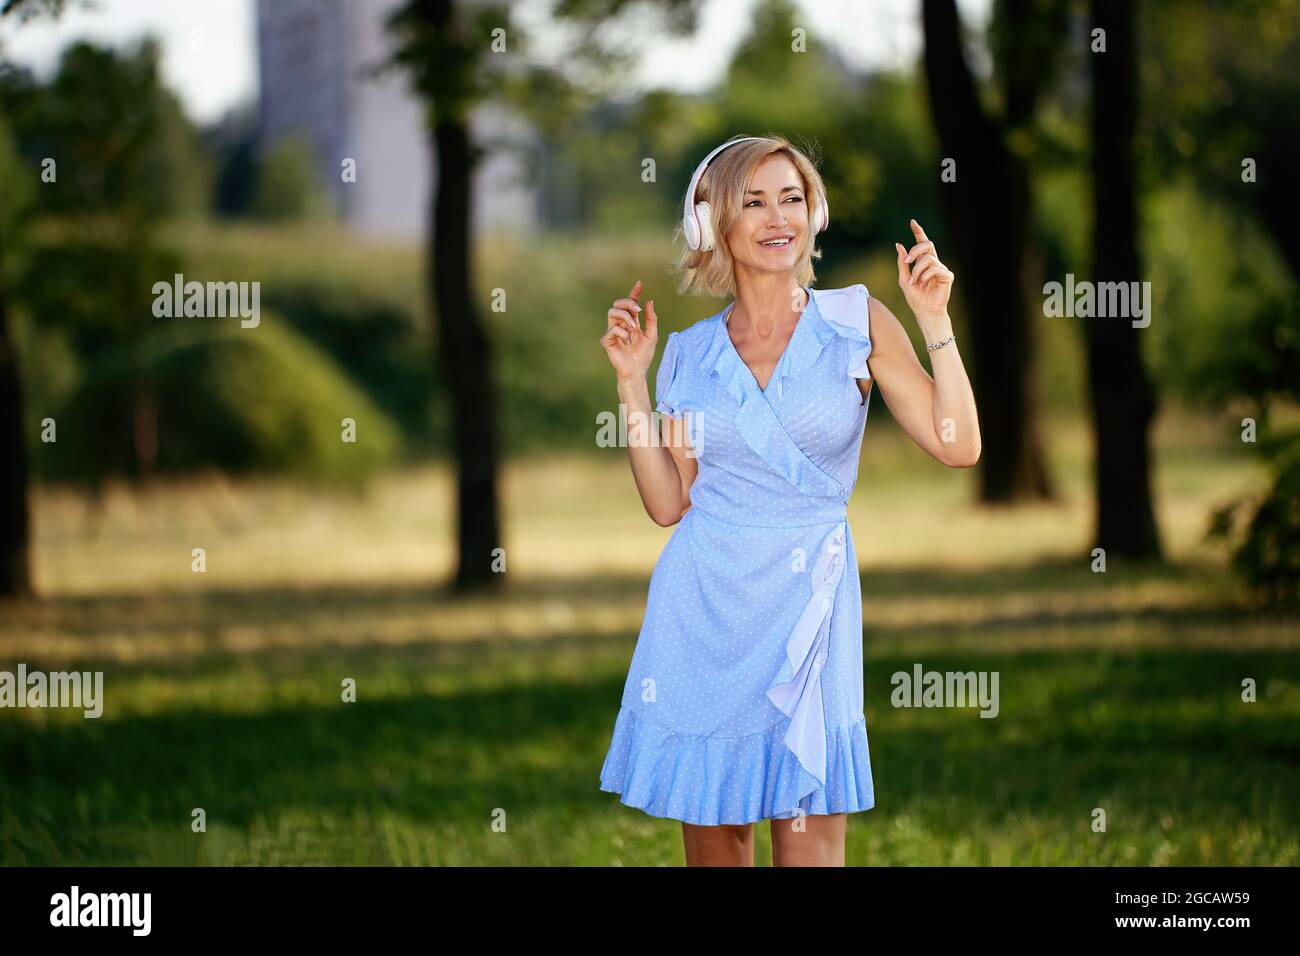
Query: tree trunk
(990, 215)
(465, 353)
(15, 516)
(1122, 398)
(1277, 201)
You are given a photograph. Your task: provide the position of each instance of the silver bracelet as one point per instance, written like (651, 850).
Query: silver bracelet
(951, 338)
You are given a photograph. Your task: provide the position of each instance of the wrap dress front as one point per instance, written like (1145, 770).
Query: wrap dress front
(744, 698)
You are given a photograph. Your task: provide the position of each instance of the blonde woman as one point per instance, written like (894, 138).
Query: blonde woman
(744, 698)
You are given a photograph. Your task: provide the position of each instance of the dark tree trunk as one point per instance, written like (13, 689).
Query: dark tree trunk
(1122, 398)
(442, 49)
(15, 517)
(1277, 140)
(989, 212)
(465, 353)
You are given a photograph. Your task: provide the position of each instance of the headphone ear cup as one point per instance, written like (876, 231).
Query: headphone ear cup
(691, 231)
(704, 218)
(823, 213)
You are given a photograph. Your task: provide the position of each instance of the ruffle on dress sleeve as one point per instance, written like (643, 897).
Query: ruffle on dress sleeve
(668, 383)
(858, 333)
(845, 312)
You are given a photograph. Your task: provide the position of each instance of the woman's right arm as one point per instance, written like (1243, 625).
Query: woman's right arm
(664, 470)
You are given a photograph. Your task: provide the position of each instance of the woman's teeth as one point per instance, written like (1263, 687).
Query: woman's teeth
(778, 242)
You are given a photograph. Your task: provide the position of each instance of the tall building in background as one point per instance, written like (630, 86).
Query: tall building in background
(317, 60)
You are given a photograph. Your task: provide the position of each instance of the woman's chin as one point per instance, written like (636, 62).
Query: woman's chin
(773, 262)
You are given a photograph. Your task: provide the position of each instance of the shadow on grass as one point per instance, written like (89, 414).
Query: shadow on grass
(322, 612)
(1149, 733)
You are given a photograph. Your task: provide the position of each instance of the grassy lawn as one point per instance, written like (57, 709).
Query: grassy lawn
(1120, 691)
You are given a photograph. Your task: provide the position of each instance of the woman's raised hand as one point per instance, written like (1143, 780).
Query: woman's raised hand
(928, 283)
(631, 348)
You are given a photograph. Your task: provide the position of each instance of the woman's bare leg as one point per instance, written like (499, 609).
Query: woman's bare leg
(723, 845)
(812, 840)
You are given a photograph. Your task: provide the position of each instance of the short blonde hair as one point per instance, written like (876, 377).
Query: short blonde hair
(723, 186)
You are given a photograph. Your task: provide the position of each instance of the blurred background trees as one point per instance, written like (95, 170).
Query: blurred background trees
(444, 44)
(142, 193)
(989, 157)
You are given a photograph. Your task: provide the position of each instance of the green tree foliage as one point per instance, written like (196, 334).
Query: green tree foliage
(120, 139)
(232, 142)
(1240, 106)
(94, 285)
(288, 188)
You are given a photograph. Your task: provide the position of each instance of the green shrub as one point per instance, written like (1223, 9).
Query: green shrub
(256, 400)
(1269, 557)
(374, 340)
(1261, 364)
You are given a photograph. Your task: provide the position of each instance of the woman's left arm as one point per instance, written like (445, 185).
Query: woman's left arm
(939, 414)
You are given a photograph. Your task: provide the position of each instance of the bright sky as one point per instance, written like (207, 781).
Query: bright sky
(209, 46)
(210, 52)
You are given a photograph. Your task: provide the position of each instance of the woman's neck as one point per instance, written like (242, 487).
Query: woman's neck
(765, 303)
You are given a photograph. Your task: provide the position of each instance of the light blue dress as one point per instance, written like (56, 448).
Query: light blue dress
(743, 701)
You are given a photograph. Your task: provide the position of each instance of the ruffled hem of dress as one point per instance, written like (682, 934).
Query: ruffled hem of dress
(711, 781)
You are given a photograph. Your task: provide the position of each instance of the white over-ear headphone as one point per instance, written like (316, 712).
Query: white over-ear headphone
(697, 223)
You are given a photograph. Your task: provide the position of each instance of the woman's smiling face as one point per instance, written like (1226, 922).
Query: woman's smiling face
(774, 208)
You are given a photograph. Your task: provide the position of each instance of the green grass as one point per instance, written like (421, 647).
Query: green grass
(1119, 691)
(441, 738)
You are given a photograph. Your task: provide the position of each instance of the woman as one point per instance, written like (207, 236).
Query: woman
(744, 697)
